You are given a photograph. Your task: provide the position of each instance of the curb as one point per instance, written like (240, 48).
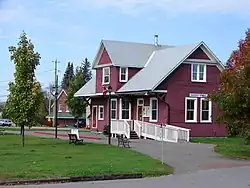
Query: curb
(72, 179)
(65, 135)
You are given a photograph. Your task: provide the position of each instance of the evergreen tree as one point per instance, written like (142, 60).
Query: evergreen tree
(25, 97)
(86, 68)
(68, 76)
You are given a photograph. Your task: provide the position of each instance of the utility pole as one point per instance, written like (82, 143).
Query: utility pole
(56, 96)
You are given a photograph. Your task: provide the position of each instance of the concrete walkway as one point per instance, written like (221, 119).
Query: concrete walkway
(220, 178)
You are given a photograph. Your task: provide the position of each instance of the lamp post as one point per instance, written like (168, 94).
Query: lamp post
(109, 91)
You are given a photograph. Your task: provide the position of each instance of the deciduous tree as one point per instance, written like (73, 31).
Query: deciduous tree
(233, 95)
(25, 97)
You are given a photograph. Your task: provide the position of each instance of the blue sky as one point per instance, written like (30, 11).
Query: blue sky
(72, 30)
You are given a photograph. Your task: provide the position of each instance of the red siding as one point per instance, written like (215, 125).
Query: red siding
(179, 86)
(199, 54)
(62, 101)
(104, 59)
(114, 81)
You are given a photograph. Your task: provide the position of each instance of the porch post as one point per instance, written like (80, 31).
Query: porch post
(109, 90)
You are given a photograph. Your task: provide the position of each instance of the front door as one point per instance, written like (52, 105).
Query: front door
(140, 104)
(94, 117)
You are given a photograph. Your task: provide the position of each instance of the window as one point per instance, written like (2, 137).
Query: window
(154, 109)
(113, 109)
(198, 72)
(106, 75)
(123, 74)
(101, 113)
(67, 108)
(205, 110)
(60, 108)
(190, 109)
(125, 109)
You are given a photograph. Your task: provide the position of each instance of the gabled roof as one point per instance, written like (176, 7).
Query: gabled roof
(127, 54)
(88, 89)
(59, 95)
(160, 65)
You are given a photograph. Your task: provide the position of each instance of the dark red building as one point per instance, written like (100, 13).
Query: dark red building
(157, 84)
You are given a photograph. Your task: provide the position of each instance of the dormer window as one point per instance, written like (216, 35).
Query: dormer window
(106, 75)
(123, 74)
(198, 73)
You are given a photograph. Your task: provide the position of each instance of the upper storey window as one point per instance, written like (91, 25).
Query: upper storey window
(198, 73)
(123, 74)
(106, 75)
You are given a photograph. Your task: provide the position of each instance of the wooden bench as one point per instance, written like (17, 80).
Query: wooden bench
(123, 141)
(73, 139)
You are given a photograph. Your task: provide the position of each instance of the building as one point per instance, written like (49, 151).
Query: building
(157, 84)
(65, 118)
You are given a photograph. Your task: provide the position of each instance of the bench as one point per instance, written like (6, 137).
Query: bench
(73, 139)
(123, 141)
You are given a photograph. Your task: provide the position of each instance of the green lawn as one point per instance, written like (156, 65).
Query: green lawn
(42, 157)
(230, 147)
(38, 129)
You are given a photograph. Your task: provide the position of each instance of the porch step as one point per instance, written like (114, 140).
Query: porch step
(133, 135)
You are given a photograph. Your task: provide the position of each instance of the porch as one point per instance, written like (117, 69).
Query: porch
(147, 130)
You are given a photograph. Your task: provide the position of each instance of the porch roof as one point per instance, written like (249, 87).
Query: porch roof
(88, 89)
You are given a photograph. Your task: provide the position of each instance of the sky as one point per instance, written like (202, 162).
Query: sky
(70, 30)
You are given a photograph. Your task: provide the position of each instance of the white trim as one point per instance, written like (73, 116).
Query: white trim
(92, 95)
(149, 59)
(126, 74)
(137, 105)
(104, 65)
(120, 110)
(195, 110)
(103, 75)
(160, 91)
(157, 112)
(198, 73)
(99, 112)
(209, 112)
(113, 109)
(59, 108)
(67, 108)
(210, 62)
(94, 106)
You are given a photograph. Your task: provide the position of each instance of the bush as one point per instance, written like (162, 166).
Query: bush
(106, 130)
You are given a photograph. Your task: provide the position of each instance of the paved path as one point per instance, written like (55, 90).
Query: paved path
(220, 178)
(183, 157)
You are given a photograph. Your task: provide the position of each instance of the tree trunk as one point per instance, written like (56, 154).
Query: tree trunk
(22, 132)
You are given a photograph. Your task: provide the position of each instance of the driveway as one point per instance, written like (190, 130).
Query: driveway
(219, 178)
(183, 157)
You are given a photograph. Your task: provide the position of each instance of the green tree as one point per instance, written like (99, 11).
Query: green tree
(82, 76)
(25, 96)
(233, 95)
(68, 76)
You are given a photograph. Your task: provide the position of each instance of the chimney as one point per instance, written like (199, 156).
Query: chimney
(156, 40)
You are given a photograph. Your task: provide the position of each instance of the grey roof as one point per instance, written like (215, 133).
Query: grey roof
(130, 54)
(162, 63)
(88, 89)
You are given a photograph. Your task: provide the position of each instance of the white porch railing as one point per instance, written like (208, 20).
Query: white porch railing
(183, 134)
(120, 127)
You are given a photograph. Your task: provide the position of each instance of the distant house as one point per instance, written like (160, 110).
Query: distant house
(65, 118)
(156, 84)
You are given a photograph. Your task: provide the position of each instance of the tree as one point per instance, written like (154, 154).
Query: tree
(68, 76)
(82, 76)
(233, 95)
(25, 96)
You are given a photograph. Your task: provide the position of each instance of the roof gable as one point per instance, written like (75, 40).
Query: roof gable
(199, 54)
(161, 64)
(59, 95)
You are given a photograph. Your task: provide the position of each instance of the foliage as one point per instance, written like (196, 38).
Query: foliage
(82, 76)
(233, 95)
(25, 95)
(49, 158)
(68, 76)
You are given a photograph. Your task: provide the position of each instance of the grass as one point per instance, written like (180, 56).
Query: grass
(229, 147)
(43, 157)
(39, 129)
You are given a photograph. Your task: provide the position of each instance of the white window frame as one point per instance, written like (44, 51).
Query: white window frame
(99, 112)
(151, 109)
(120, 110)
(114, 109)
(209, 112)
(195, 110)
(126, 74)
(198, 72)
(60, 108)
(67, 108)
(103, 75)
